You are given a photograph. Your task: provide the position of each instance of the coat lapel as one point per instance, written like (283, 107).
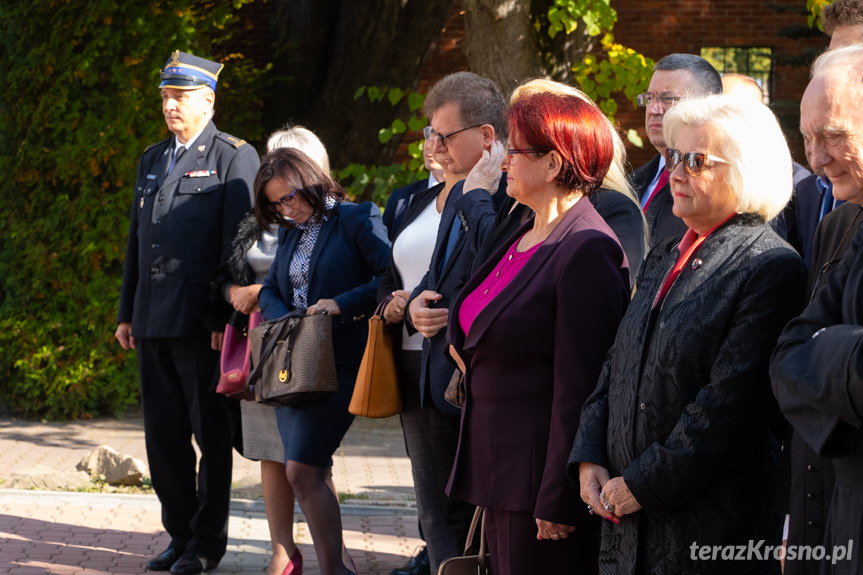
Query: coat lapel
(162, 165)
(291, 238)
(325, 231)
(521, 282)
(706, 261)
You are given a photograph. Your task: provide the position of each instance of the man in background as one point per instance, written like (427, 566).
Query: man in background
(674, 76)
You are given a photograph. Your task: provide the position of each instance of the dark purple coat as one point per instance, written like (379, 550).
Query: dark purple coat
(534, 355)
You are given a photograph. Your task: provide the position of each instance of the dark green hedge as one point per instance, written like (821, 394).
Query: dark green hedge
(79, 103)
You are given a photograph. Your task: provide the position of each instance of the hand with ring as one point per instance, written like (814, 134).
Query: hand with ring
(616, 495)
(394, 312)
(592, 478)
(551, 530)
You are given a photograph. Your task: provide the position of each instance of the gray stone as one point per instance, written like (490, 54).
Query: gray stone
(47, 478)
(117, 469)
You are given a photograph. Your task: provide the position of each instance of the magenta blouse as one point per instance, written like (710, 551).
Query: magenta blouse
(503, 273)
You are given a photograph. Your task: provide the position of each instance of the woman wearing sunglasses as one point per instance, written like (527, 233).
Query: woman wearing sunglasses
(677, 445)
(330, 256)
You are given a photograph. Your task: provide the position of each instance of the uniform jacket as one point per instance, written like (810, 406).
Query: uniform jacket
(683, 409)
(662, 224)
(817, 376)
(475, 212)
(351, 253)
(181, 230)
(533, 355)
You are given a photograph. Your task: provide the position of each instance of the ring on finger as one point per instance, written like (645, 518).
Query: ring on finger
(555, 536)
(608, 506)
(590, 508)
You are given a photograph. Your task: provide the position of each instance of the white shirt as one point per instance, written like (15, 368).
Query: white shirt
(412, 252)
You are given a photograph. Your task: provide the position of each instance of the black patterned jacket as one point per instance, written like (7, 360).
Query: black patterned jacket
(683, 409)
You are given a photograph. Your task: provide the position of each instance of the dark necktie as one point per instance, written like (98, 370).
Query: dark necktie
(175, 157)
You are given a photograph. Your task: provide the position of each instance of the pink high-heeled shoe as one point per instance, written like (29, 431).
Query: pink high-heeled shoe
(295, 564)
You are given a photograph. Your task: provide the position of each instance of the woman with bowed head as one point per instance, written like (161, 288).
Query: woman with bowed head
(329, 258)
(254, 250)
(677, 445)
(530, 330)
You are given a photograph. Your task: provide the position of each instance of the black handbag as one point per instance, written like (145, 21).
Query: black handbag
(292, 359)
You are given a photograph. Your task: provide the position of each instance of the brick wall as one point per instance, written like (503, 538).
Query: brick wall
(657, 28)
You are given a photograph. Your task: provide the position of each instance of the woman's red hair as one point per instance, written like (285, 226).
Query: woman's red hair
(575, 129)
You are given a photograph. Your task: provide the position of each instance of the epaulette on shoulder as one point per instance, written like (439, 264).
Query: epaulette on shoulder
(236, 142)
(159, 143)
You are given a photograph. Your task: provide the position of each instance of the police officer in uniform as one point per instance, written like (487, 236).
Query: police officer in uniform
(191, 191)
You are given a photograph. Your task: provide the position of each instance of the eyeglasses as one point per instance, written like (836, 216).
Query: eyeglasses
(693, 162)
(284, 201)
(430, 133)
(665, 100)
(513, 151)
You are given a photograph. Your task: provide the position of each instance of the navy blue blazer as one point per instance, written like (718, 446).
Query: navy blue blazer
(534, 354)
(397, 205)
(351, 254)
(476, 212)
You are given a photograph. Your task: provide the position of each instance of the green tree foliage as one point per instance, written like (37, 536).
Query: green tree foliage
(78, 105)
(814, 7)
(614, 68)
(377, 182)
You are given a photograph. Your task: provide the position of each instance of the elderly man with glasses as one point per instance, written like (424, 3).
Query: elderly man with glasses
(675, 76)
(816, 371)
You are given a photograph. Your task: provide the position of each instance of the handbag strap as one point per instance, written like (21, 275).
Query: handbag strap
(379, 311)
(470, 532)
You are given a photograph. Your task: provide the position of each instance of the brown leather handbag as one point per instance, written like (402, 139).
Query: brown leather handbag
(470, 564)
(376, 393)
(292, 359)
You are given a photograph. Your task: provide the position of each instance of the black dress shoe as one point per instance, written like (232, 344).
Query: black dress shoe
(418, 565)
(191, 563)
(164, 560)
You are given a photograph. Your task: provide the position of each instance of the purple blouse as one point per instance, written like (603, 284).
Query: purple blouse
(503, 273)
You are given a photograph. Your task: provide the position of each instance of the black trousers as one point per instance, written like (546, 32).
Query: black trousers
(177, 391)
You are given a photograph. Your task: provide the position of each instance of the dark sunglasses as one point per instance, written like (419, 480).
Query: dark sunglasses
(285, 201)
(693, 162)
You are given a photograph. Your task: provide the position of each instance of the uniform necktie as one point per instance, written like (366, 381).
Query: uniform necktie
(175, 157)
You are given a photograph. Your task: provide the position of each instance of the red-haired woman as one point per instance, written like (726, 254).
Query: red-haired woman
(530, 330)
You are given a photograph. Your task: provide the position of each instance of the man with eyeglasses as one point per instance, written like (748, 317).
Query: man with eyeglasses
(467, 116)
(674, 77)
(191, 191)
(816, 368)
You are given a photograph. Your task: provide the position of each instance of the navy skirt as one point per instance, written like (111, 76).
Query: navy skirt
(312, 431)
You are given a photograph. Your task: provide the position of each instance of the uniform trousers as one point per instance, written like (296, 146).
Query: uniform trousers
(177, 391)
(431, 438)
